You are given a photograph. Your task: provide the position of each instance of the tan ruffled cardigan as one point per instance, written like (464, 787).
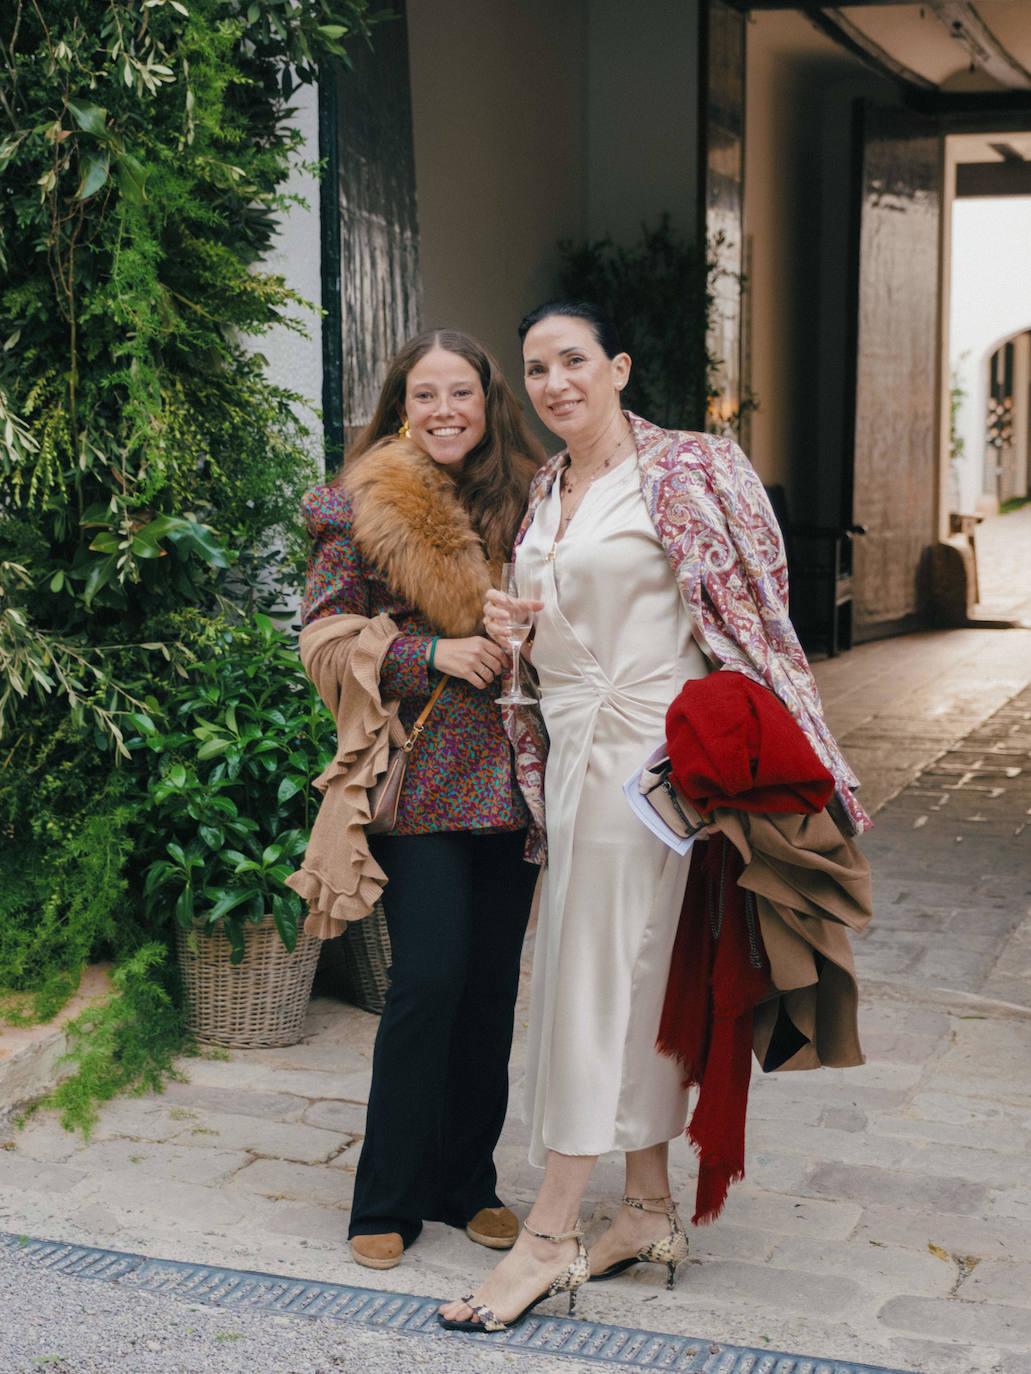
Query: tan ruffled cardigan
(340, 880)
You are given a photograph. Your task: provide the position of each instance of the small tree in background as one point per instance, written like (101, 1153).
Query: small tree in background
(659, 293)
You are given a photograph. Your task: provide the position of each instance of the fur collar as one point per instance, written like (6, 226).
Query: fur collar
(411, 526)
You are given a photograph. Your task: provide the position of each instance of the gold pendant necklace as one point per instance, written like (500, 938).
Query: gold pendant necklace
(567, 485)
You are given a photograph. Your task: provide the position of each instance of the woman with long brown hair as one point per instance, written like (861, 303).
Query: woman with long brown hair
(407, 540)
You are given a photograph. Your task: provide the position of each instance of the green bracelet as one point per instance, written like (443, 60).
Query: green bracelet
(433, 650)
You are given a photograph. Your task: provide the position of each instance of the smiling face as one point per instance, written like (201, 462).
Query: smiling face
(445, 406)
(573, 385)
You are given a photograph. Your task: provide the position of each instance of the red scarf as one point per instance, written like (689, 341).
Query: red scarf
(732, 744)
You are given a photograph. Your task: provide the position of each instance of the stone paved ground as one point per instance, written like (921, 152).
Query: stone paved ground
(886, 1215)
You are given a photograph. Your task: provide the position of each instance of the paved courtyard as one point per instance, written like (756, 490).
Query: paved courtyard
(886, 1213)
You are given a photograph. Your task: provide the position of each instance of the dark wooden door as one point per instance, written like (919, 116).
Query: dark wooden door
(894, 439)
(370, 235)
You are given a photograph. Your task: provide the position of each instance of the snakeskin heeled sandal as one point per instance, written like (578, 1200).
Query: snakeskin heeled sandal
(670, 1251)
(572, 1278)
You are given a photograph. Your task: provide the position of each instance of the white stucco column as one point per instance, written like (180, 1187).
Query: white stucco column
(295, 361)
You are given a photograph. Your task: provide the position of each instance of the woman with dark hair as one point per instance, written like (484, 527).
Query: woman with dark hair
(407, 539)
(653, 558)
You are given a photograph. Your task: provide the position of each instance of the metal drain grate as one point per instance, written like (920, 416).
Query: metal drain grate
(584, 1340)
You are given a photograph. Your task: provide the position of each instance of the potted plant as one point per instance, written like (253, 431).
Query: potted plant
(228, 810)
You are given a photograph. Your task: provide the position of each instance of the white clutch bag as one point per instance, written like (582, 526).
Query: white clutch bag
(664, 796)
(658, 802)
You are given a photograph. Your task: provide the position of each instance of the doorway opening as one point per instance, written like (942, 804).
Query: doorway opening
(987, 465)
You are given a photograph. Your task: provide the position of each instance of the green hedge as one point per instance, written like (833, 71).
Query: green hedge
(150, 473)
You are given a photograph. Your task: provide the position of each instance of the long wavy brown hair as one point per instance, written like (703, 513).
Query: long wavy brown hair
(495, 475)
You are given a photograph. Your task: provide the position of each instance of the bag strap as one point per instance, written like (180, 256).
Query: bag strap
(424, 715)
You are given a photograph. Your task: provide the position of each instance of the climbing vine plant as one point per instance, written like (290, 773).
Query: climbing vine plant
(149, 468)
(143, 160)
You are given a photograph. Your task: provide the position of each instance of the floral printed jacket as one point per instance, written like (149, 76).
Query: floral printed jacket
(393, 540)
(715, 523)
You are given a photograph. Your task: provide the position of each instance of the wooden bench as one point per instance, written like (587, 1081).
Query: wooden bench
(819, 578)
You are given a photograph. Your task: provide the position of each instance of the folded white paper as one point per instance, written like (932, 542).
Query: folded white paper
(644, 811)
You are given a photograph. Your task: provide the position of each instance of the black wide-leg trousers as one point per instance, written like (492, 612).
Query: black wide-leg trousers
(456, 905)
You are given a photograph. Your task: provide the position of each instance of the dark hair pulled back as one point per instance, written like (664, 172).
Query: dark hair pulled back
(601, 326)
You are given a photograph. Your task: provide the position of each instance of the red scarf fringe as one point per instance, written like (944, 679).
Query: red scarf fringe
(718, 972)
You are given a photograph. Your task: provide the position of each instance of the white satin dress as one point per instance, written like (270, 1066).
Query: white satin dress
(612, 648)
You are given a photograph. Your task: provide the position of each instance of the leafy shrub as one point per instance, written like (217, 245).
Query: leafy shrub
(142, 183)
(229, 800)
(125, 1044)
(149, 470)
(660, 293)
(143, 154)
(65, 837)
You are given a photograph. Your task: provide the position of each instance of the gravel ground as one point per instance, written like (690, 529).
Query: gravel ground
(54, 1323)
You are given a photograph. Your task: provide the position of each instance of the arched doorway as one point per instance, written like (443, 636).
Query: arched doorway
(1007, 463)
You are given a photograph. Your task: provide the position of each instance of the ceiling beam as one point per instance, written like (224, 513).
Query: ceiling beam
(967, 27)
(993, 179)
(959, 17)
(832, 22)
(975, 112)
(1007, 152)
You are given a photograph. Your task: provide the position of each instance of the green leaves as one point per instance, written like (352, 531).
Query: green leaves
(150, 469)
(124, 542)
(95, 169)
(96, 166)
(143, 166)
(190, 536)
(132, 178)
(230, 802)
(306, 32)
(91, 119)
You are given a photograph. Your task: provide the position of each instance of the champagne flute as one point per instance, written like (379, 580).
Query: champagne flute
(520, 621)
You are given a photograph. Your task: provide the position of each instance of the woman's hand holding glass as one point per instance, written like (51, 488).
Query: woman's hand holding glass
(508, 619)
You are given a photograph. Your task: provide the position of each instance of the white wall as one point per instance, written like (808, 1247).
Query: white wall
(538, 120)
(990, 300)
(497, 101)
(295, 362)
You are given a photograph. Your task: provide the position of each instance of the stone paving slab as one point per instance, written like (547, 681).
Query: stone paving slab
(917, 1229)
(298, 1143)
(993, 1281)
(970, 1323)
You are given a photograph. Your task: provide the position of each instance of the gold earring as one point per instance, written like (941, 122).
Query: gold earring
(404, 432)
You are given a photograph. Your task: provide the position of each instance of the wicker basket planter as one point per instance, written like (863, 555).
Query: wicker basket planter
(258, 1003)
(358, 961)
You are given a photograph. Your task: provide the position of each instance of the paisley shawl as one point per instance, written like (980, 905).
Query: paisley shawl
(719, 533)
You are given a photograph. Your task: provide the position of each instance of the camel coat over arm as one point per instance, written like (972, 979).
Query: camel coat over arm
(812, 887)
